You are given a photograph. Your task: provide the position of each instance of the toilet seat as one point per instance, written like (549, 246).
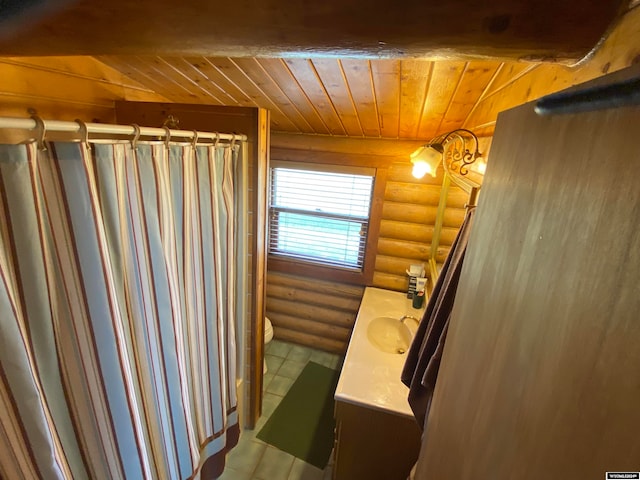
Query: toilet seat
(268, 336)
(268, 330)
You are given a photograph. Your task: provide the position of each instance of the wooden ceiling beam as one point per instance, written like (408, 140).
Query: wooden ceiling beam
(534, 30)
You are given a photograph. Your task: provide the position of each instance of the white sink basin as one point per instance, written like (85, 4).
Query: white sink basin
(389, 335)
(370, 377)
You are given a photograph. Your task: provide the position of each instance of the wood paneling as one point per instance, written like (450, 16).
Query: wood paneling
(307, 78)
(332, 77)
(473, 83)
(385, 75)
(539, 377)
(66, 88)
(269, 92)
(413, 99)
(415, 81)
(359, 81)
(312, 312)
(280, 73)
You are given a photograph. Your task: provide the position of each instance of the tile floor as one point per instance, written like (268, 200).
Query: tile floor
(253, 459)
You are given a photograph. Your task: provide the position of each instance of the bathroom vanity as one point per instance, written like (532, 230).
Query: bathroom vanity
(377, 436)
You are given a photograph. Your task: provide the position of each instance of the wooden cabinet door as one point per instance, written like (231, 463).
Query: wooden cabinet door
(372, 444)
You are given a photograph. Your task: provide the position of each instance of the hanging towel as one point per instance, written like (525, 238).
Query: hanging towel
(423, 360)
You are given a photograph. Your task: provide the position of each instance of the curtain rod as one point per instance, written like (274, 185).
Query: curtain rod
(75, 127)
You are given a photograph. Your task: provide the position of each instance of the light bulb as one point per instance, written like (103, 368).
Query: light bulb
(425, 160)
(480, 166)
(420, 169)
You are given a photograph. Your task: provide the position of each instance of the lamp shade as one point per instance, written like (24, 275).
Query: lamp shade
(426, 159)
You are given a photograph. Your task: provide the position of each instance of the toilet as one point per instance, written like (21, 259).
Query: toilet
(268, 336)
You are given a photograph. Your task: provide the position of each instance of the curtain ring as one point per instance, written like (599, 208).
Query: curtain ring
(194, 140)
(41, 131)
(215, 145)
(233, 141)
(136, 136)
(84, 131)
(167, 139)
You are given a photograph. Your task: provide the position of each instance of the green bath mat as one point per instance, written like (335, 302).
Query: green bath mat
(303, 423)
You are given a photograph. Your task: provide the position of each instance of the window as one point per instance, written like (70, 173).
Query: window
(320, 216)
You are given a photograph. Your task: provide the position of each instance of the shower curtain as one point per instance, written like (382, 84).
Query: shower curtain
(118, 302)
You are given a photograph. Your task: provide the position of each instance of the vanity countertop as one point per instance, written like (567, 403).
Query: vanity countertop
(370, 377)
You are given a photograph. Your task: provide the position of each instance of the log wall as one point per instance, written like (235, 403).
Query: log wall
(408, 222)
(318, 311)
(312, 312)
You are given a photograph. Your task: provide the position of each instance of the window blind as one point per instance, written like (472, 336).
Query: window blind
(319, 216)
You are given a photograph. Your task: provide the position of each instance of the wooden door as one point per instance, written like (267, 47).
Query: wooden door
(540, 377)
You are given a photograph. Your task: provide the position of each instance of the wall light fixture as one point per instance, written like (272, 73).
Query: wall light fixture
(453, 149)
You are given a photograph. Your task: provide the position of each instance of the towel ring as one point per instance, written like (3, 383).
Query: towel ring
(41, 131)
(136, 136)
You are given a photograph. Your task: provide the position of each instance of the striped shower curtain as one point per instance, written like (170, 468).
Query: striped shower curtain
(118, 302)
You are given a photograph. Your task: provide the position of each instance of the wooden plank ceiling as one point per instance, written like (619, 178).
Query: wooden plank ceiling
(376, 98)
(352, 97)
(320, 72)
(408, 99)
